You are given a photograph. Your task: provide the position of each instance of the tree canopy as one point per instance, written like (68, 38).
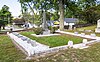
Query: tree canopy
(82, 9)
(5, 16)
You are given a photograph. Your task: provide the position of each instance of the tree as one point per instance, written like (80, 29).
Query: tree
(67, 8)
(84, 4)
(92, 14)
(61, 9)
(5, 16)
(88, 10)
(45, 5)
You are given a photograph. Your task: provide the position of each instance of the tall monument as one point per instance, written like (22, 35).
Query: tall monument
(44, 25)
(97, 30)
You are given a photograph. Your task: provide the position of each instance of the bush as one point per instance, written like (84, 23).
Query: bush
(38, 31)
(52, 29)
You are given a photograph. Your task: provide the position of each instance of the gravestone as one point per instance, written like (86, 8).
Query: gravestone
(84, 42)
(44, 25)
(97, 30)
(70, 43)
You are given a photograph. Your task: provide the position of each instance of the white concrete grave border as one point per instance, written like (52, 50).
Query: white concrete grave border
(92, 36)
(41, 49)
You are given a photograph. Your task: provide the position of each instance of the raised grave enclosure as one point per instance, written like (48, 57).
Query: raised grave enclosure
(33, 48)
(30, 47)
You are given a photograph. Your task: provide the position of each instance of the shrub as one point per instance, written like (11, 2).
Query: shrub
(38, 31)
(52, 29)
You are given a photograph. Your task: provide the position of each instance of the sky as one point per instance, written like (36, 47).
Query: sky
(14, 6)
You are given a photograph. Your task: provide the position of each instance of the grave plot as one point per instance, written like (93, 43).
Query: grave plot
(31, 47)
(28, 46)
(34, 46)
(54, 41)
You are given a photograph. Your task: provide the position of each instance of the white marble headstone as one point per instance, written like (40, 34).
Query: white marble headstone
(97, 30)
(84, 42)
(70, 43)
(98, 23)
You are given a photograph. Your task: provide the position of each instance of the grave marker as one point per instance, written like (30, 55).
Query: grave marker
(97, 30)
(70, 43)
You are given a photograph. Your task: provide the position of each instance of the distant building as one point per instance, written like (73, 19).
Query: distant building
(18, 21)
(69, 22)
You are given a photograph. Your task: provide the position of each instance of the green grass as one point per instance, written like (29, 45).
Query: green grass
(88, 28)
(54, 41)
(8, 52)
(85, 28)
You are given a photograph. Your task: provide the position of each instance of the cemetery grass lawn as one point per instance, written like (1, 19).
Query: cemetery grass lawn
(85, 28)
(54, 41)
(8, 52)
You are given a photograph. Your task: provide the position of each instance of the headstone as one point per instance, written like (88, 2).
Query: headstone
(70, 43)
(97, 30)
(98, 23)
(84, 42)
(44, 24)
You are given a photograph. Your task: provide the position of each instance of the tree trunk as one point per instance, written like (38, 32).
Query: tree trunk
(61, 9)
(32, 11)
(21, 8)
